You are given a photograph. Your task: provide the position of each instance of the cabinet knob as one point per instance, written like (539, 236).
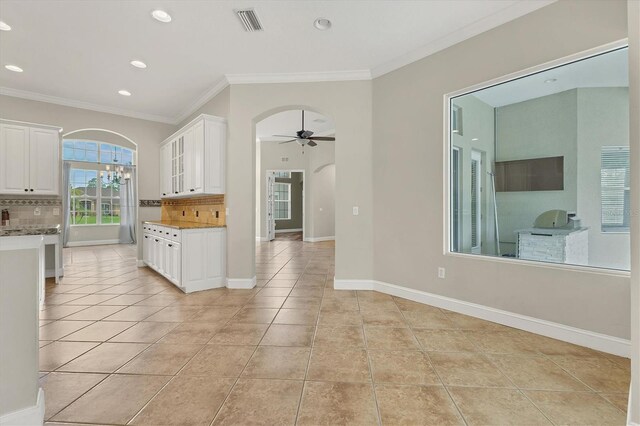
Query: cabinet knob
(192, 190)
(170, 245)
(146, 236)
(175, 235)
(164, 193)
(31, 190)
(26, 190)
(156, 241)
(176, 192)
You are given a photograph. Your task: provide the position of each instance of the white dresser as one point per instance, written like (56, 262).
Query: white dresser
(554, 245)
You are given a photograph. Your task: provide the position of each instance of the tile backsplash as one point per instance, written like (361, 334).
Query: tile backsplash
(208, 209)
(24, 211)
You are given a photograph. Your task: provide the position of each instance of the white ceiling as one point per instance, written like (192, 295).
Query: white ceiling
(79, 51)
(289, 122)
(607, 70)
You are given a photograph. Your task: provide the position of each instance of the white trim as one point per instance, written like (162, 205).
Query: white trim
(33, 96)
(318, 239)
(241, 283)
(206, 97)
(21, 242)
(299, 77)
(140, 263)
(284, 231)
(28, 124)
(629, 408)
(29, 416)
(91, 243)
(485, 24)
(577, 336)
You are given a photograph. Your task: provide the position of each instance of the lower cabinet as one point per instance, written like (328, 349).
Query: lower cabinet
(192, 259)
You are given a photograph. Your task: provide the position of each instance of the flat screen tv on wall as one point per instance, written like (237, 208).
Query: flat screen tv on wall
(533, 174)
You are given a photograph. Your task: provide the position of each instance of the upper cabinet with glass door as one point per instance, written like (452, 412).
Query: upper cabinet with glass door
(539, 165)
(192, 160)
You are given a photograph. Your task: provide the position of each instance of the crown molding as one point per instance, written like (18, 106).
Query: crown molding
(33, 96)
(301, 77)
(503, 16)
(206, 97)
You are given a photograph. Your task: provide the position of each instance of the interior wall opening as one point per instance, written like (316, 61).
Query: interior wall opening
(539, 166)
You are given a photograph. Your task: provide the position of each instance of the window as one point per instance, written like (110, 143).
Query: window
(94, 191)
(97, 152)
(456, 120)
(83, 196)
(283, 175)
(282, 201)
(614, 188)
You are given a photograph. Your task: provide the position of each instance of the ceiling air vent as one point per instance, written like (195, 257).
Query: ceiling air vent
(249, 20)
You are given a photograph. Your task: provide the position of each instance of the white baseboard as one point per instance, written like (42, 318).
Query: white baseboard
(91, 243)
(141, 263)
(630, 408)
(318, 239)
(283, 231)
(29, 416)
(577, 336)
(241, 283)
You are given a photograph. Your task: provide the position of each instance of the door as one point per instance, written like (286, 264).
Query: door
(271, 221)
(14, 161)
(476, 202)
(455, 199)
(44, 162)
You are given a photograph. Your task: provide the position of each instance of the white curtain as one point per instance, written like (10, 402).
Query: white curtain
(66, 202)
(128, 201)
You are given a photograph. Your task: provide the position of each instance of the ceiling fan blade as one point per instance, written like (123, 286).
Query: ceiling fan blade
(284, 136)
(292, 140)
(311, 143)
(306, 134)
(322, 138)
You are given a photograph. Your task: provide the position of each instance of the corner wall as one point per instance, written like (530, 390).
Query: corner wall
(408, 153)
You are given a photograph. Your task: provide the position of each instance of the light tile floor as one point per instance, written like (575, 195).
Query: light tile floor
(120, 345)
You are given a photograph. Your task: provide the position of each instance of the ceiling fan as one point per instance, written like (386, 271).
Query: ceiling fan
(305, 137)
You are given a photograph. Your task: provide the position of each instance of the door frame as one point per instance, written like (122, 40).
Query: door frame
(304, 192)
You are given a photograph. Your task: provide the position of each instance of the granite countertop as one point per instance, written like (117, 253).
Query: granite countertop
(178, 224)
(19, 230)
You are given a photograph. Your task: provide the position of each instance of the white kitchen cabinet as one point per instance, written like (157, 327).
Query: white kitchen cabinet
(30, 160)
(197, 153)
(192, 259)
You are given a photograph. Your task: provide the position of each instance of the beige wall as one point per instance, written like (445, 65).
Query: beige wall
(408, 156)
(146, 134)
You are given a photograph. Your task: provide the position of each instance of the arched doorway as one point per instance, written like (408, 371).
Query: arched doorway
(295, 191)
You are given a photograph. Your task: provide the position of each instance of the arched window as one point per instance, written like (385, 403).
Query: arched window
(96, 171)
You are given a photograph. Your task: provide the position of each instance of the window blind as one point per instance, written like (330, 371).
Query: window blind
(614, 187)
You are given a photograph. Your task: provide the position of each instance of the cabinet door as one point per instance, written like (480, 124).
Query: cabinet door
(196, 171)
(165, 170)
(44, 161)
(14, 161)
(188, 159)
(176, 264)
(194, 256)
(160, 253)
(146, 249)
(215, 134)
(216, 250)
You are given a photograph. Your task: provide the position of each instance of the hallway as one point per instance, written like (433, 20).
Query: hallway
(120, 345)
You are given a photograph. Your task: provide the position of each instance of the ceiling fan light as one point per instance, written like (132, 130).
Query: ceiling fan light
(322, 24)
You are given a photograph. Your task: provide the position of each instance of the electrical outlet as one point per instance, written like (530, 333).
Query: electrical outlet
(226, 212)
(56, 211)
(36, 211)
(441, 273)
(356, 211)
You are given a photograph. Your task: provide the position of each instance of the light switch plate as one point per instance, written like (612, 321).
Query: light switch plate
(441, 272)
(36, 211)
(356, 211)
(56, 211)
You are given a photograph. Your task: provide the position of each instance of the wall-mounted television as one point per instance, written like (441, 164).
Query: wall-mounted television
(533, 174)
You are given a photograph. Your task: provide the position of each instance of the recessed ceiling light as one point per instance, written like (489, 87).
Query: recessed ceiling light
(124, 92)
(551, 80)
(161, 15)
(4, 26)
(474, 139)
(322, 24)
(138, 64)
(13, 68)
